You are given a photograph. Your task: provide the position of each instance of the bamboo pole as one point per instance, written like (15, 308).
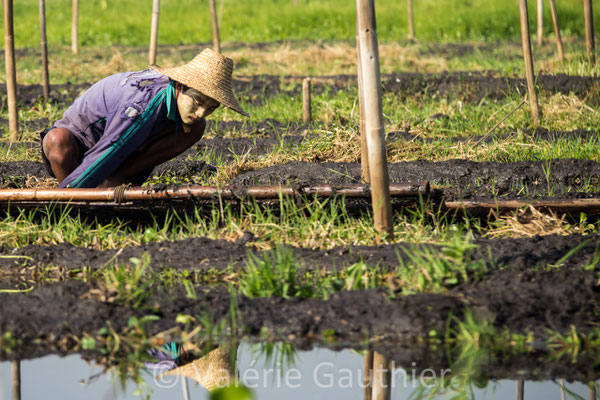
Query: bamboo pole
(526, 40)
(520, 389)
(559, 44)
(206, 192)
(540, 22)
(306, 101)
(411, 20)
(154, 32)
(44, 44)
(381, 377)
(590, 206)
(11, 71)
(592, 392)
(368, 375)
(215, 27)
(589, 30)
(364, 154)
(15, 367)
(375, 131)
(75, 27)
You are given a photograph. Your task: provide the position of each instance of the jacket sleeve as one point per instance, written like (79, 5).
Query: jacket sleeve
(125, 131)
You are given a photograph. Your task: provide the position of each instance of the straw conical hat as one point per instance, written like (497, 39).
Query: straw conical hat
(209, 73)
(214, 370)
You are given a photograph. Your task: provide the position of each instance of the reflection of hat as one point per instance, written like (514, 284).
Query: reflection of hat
(209, 73)
(214, 370)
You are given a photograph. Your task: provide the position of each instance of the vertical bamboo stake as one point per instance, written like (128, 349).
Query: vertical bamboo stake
(563, 395)
(592, 392)
(540, 22)
(44, 44)
(306, 101)
(11, 72)
(528, 61)
(381, 378)
(589, 30)
(154, 31)
(15, 367)
(215, 27)
(364, 154)
(559, 45)
(411, 20)
(368, 375)
(75, 28)
(520, 389)
(375, 130)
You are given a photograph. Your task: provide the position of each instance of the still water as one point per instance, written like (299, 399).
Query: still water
(316, 374)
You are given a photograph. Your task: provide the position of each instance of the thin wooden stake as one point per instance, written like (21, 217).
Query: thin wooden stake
(381, 378)
(11, 71)
(154, 32)
(411, 20)
(75, 27)
(215, 27)
(375, 129)
(44, 43)
(306, 101)
(368, 375)
(526, 40)
(364, 154)
(592, 392)
(540, 22)
(559, 44)
(520, 389)
(15, 367)
(589, 30)
(563, 395)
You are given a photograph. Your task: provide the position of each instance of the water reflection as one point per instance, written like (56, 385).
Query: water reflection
(276, 371)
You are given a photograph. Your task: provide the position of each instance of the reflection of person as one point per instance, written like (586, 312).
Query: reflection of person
(213, 370)
(127, 123)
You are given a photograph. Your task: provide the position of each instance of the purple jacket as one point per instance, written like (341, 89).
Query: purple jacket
(114, 117)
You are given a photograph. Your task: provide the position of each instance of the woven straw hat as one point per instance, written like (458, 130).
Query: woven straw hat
(209, 73)
(214, 370)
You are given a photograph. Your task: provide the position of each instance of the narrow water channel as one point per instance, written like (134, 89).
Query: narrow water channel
(316, 374)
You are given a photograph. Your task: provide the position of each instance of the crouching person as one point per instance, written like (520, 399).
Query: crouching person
(118, 130)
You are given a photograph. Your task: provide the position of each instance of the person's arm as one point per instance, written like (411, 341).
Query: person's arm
(125, 131)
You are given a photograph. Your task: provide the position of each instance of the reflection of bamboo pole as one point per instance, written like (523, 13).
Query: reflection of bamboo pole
(44, 44)
(540, 22)
(411, 20)
(154, 31)
(520, 389)
(559, 44)
(525, 38)
(184, 387)
(15, 367)
(75, 28)
(11, 72)
(306, 101)
(368, 375)
(215, 27)
(369, 66)
(589, 30)
(364, 155)
(381, 378)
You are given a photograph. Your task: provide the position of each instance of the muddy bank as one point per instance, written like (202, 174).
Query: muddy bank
(521, 288)
(460, 179)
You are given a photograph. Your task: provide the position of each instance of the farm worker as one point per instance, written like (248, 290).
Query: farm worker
(127, 123)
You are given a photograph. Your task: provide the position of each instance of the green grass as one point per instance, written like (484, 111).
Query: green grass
(188, 21)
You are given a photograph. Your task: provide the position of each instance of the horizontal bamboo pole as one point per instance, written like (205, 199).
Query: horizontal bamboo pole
(591, 205)
(205, 192)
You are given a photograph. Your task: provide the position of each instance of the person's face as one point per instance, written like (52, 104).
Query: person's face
(193, 105)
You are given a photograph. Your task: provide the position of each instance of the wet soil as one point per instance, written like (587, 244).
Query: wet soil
(468, 86)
